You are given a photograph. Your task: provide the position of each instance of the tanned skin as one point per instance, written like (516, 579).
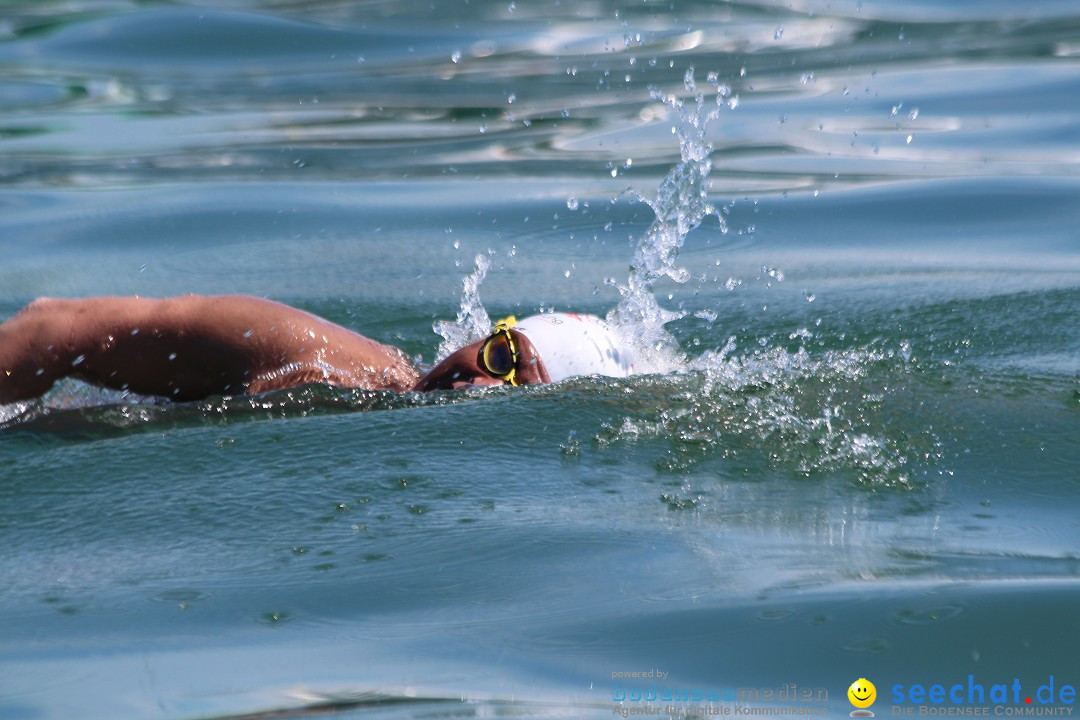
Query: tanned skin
(463, 368)
(192, 347)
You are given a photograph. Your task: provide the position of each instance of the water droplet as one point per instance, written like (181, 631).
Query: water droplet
(779, 33)
(572, 446)
(78, 360)
(456, 56)
(572, 203)
(172, 356)
(274, 618)
(248, 333)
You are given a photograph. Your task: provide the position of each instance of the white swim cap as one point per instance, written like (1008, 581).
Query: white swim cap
(571, 345)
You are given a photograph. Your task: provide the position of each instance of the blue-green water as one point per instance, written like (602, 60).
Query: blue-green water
(863, 460)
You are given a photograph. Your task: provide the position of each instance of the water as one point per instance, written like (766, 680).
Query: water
(855, 454)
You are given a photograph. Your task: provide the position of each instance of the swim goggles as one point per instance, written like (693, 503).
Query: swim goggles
(499, 353)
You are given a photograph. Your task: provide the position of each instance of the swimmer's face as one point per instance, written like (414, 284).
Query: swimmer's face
(464, 369)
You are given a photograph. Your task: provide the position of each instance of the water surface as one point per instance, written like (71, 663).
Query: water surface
(859, 459)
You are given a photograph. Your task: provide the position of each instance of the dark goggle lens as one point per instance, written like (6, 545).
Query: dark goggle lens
(498, 357)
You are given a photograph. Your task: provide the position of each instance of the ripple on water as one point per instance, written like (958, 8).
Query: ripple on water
(872, 645)
(183, 598)
(15, 95)
(927, 615)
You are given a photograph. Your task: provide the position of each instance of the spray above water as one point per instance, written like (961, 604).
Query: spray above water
(790, 409)
(680, 206)
(472, 321)
(770, 407)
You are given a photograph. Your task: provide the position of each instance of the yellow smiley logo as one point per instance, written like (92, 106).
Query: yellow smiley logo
(862, 694)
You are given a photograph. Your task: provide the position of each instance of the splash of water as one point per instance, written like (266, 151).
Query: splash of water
(799, 411)
(680, 206)
(473, 322)
(10, 414)
(792, 411)
(768, 406)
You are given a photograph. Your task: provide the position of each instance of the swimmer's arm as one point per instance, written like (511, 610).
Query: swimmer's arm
(187, 348)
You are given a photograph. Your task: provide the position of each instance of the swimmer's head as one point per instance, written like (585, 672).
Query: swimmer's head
(539, 349)
(571, 345)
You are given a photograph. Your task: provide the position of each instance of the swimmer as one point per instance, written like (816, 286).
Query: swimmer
(193, 347)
